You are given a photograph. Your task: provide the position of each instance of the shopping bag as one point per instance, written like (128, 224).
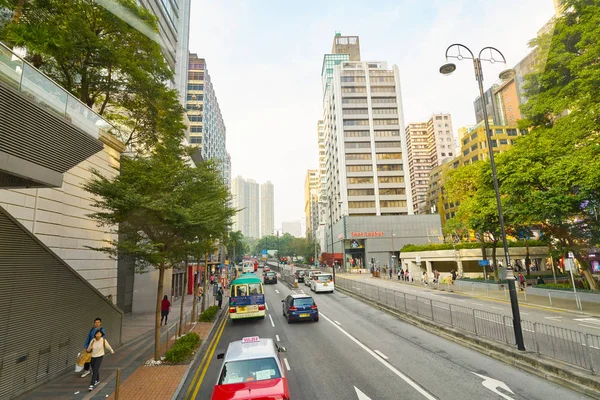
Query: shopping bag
(79, 362)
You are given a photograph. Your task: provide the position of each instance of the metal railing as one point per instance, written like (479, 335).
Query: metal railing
(39, 88)
(566, 345)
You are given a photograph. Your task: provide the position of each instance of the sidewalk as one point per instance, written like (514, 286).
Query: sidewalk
(138, 346)
(466, 288)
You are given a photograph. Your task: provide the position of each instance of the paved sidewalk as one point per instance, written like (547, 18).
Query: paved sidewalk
(138, 346)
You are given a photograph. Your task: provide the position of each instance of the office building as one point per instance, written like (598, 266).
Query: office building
(239, 195)
(366, 155)
(322, 157)
(294, 228)
(349, 45)
(312, 186)
(429, 144)
(267, 209)
(207, 128)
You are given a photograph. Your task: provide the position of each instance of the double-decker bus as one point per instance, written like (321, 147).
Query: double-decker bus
(247, 298)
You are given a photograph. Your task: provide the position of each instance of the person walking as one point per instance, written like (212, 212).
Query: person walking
(164, 309)
(97, 327)
(453, 274)
(391, 273)
(425, 278)
(407, 276)
(436, 276)
(220, 296)
(199, 292)
(97, 347)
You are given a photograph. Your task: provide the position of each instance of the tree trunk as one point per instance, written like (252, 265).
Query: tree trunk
(185, 279)
(527, 259)
(195, 302)
(585, 266)
(159, 295)
(205, 284)
(494, 260)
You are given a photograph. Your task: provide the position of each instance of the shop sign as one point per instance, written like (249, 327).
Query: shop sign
(367, 234)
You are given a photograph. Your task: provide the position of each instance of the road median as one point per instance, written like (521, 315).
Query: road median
(566, 375)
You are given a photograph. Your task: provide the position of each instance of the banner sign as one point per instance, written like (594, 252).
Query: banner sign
(247, 300)
(367, 234)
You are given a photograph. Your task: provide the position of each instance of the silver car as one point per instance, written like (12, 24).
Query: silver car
(309, 274)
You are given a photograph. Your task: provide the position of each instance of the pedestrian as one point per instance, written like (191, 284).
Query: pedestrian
(220, 296)
(436, 275)
(401, 274)
(540, 280)
(407, 276)
(212, 279)
(199, 292)
(453, 274)
(109, 297)
(425, 278)
(97, 347)
(164, 309)
(521, 281)
(391, 273)
(97, 327)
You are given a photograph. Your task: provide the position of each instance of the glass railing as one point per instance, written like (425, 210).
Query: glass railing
(20, 75)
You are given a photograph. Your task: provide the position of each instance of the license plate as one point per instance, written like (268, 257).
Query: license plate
(304, 315)
(326, 284)
(241, 309)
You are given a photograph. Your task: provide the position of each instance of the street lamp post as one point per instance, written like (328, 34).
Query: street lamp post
(447, 69)
(278, 253)
(331, 234)
(393, 252)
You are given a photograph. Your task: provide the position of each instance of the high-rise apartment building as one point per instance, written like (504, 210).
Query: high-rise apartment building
(322, 157)
(429, 145)
(367, 160)
(294, 228)
(253, 208)
(267, 209)
(312, 186)
(207, 129)
(239, 194)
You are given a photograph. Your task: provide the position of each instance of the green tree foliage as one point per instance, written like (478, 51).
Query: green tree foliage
(99, 57)
(160, 205)
(236, 246)
(553, 175)
(289, 246)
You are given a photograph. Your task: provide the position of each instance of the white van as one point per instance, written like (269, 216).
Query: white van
(247, 266)
(322, 283)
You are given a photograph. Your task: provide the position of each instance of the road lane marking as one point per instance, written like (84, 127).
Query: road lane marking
(287, 365)
(207, 357)
(459, 300)
(360, 394)
(478, 304)
(497, 308)
(276, 291)
(337, 323)
(277, 337)
(588, 320)
(266, 306)
(384, 362)
(381, 354)
(493, 385)
(554, 318)
(524, 313)
(589, 326)
(272, 324)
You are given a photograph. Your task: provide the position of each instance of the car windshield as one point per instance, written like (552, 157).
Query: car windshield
(324, 278)
(303, 302)
(254, 288)
(270, 274)
(259, 369)
(301, 273)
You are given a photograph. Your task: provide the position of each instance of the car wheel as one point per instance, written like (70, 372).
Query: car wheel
(289, 320)
(317, 319)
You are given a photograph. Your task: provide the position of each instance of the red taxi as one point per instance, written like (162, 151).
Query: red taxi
(252, 370)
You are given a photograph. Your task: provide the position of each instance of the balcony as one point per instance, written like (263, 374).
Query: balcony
(44, 130)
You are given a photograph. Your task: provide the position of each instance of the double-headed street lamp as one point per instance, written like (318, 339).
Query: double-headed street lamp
(447, 69)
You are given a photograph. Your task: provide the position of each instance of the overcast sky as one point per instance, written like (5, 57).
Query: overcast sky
(265, 58)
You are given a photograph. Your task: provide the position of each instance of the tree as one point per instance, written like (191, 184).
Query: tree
(159, 204)
(100, 58)
(553, 174)
(235, 246)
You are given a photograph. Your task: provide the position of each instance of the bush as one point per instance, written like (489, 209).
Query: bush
(567, 286)
(183, 348)
(471, 245)
(208, 314)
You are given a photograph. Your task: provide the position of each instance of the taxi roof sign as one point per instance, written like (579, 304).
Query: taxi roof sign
(251, 339)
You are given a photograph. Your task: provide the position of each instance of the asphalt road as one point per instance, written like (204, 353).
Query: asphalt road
(357, 352)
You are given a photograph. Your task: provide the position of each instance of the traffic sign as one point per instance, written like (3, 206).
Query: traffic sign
(484, 263)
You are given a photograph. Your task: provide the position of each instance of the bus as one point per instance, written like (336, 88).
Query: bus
(247, 298)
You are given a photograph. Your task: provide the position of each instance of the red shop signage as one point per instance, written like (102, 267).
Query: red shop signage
(367, 234)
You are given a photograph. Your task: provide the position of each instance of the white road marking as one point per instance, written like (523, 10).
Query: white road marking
(361, 395)
(589, 326)
(276, 291)
(287, 365)
(385, 363)
(497, 308)
(588, 320)
(337, 323)
(381, 354)
(266, 307)
(494, 384)
(478, 304)
(459, 300)
(277, 337)
(524, 313)
(272, 324)
(554, 318)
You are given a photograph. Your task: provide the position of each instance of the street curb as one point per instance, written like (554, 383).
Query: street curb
(201, 350)
(555, 373)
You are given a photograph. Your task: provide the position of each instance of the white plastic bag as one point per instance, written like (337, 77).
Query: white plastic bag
(78, 368)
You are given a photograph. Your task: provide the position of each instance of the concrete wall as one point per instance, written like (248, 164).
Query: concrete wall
(58, 217)
(144, 290)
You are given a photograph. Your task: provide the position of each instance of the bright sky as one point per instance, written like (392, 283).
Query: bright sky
(265, 59)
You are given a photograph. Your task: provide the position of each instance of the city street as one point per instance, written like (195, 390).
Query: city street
(357, 352)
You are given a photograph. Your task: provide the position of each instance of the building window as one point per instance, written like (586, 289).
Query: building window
(503, 141)
(356, 122)
(389, 167)
(384, 122)
(195, 76)
(359, 168)
(383, 89)
(359, 180)
(355, 134)
(355, 111)
(354, 100)
(354, 89)
(382, 100)
(196, 129)
(361, 204)
(389, 156)
(361, 192)
(449, 154)
(195, 86)
(511, 132)
(196, 139)
(358, 156)
(195, 117)
(386, 133)
(494, 143)
(390, 179)
(358, 145)
(393, 203)
(377, 111)
(392, 191)
(382, 145)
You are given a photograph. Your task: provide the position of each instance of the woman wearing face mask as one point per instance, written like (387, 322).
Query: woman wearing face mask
(97, 347)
